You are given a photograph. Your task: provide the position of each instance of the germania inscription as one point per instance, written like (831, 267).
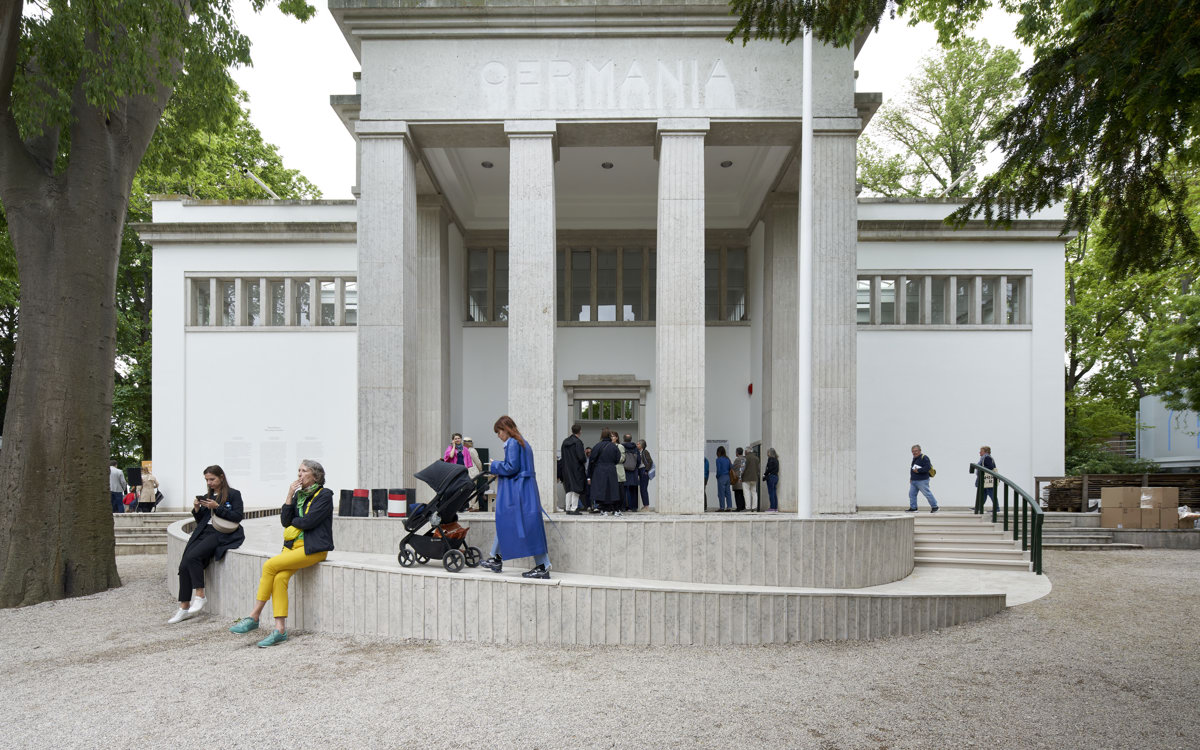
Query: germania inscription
(606, 85)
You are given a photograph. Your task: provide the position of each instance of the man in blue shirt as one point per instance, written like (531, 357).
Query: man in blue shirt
(918, 481)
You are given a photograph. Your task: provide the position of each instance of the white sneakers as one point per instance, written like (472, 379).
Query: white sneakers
(180, 615)
(183, 614)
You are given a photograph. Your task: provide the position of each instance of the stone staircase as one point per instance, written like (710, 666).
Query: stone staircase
(965, 540)
(144, 533)
(1077, 533)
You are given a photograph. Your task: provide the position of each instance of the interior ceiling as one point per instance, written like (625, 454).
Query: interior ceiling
(589, 196)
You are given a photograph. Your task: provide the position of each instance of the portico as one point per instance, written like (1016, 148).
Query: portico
(584, 170)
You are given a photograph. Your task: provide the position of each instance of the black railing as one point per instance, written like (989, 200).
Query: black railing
(1026, 519)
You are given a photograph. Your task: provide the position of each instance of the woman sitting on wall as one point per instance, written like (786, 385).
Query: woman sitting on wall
(218, 515)
(307, 518)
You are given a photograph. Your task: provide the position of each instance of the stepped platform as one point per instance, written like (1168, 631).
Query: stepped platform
(645, 579)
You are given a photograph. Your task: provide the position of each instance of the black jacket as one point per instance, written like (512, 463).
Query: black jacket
(772, 467)
(317, 523)
(230, 511)
(574, 475)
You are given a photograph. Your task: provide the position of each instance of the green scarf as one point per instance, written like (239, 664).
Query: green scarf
(303, 499)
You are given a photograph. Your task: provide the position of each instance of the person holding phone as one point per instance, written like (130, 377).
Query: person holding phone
(307, 518)
(207, 543)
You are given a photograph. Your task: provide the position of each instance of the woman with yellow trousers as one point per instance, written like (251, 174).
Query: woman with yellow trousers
(307, 518)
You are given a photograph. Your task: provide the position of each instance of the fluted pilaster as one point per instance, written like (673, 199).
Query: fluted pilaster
(780, 384)
(433, 334)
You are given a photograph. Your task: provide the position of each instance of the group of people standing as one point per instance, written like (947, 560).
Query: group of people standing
(608, 478)
(139, 498)
(737, 480)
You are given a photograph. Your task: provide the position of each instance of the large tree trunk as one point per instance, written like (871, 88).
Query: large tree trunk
(56, 526)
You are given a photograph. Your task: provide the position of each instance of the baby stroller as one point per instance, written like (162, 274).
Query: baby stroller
(445, 538)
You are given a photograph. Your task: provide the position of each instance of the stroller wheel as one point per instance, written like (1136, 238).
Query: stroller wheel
(474, 556)
(422, 559)
(406, 557)
(453, 560)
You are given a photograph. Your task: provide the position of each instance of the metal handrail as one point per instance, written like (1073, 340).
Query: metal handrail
(1030, 533)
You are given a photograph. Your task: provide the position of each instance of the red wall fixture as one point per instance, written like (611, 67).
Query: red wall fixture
(750, 389)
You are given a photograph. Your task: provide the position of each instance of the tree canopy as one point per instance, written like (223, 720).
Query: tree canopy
(1112, 99)
(930, 140)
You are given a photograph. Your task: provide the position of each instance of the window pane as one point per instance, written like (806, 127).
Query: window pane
(962, 301)
(300, 302)
(228, 302)
(351, 296)
(477, 285)
(912, 301)
(1014, 301)
(253, 303)
(937, 312)
(887, 301)
(735, 283)
(653, 282)
(606, 285)
(327, 303)
(201, 302)
(712, 280)
(501, 284)
(561, 278)
(988, 311)
(581, 285)
(631, 285)
(863, 301)
(277, 301)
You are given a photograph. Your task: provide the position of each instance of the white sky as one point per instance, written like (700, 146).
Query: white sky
(298, 66)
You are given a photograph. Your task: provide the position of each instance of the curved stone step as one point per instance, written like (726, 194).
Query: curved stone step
(1089, 547)
(966, 562)
(960, 551)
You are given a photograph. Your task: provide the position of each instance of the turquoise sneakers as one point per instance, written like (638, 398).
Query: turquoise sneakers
(275, 637)
(244, 625)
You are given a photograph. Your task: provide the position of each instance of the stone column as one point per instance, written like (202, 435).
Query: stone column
(780, 383)
(679, 329)
(387, 241)
(834, 373)
(432, 335)
(532, 376)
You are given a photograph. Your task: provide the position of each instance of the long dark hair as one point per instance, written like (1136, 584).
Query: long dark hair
(505, 423)
(218, 472)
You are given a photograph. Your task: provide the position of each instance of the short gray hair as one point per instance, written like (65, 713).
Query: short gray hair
(916, 447)
(316, 468)
(771, 453)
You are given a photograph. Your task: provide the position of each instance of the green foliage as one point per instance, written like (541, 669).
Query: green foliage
(937, 132)
(1092, 459)
(203, 163)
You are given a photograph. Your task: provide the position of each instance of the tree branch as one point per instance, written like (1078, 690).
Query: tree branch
(17, 169)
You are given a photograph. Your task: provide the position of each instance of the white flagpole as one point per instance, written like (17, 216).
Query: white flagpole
(804, 293)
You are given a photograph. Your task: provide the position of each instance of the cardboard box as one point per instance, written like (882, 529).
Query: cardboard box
(1121, 518)
(1164, 498)
(1168, 518)
(1151, 518)
(1120, 497)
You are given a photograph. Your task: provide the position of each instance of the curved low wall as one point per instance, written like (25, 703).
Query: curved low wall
(370, 594)
(768, 549)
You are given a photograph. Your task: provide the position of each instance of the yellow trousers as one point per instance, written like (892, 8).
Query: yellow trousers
(278, 571)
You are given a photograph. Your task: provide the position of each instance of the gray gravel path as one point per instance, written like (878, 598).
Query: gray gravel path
(1110, 659)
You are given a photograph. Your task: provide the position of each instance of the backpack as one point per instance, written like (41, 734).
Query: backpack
(631, 460)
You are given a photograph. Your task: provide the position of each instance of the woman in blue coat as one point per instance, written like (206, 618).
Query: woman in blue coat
(519, 529)
(723, 466)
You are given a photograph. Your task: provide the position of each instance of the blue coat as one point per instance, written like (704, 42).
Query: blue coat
(519, 526)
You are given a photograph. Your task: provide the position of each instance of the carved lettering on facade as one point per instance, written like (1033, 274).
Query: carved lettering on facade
(606, 85)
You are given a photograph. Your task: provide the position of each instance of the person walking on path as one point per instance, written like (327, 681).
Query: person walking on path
(307, 518)
(750, 480)
(919, 473)
(771, 477)
(574, 471)
(117, 487)
(987, 480)
(519, 528)
(206, 543)
(724, 499)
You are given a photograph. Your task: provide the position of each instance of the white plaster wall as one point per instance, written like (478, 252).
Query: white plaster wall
(207, 212)
(257, 403)
(920, 386)
(458, 264)
(754, 283)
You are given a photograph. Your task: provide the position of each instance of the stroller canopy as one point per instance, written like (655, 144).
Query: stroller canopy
(442, 476)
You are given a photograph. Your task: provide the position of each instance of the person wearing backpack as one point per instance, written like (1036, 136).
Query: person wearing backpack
(633, 464)
(919, 473)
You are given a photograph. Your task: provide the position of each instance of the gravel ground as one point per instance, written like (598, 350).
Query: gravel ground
(1110, 659)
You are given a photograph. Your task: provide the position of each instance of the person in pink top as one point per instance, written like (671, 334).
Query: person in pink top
(457, 453)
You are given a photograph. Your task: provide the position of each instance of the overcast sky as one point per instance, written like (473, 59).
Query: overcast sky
(297, 66)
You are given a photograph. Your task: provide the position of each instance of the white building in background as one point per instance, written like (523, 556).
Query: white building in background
(1168, 437)
(594, 218)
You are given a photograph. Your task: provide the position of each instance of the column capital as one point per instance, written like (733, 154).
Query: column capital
(382, 129)
(695, 126)
(534, 129)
